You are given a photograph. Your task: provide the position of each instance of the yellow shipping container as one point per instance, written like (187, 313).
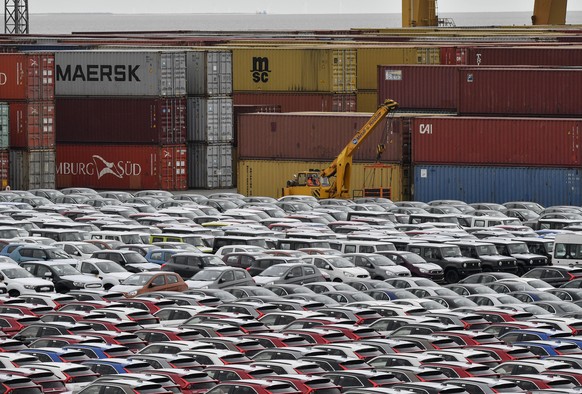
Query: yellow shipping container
(268, 177)
(294, 69)
(366, 100)
(369, 58)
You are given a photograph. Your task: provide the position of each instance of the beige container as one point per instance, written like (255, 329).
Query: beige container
(366, 100)
(268, 177)
(294, 69)
(369, 58)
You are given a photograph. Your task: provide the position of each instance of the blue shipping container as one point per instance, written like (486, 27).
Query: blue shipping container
(546, 186)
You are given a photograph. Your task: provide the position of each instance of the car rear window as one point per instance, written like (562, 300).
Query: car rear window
(480, 371)
(295, 341)
(185, 363)
(230, 331)
(236, 359)
(335, 337)
(432, 376)
(73, 357)
(310, 369)
(384, 379)
(119, 352)
(406, 348)
(354, 364)
(261, 373)
(138, 367)
(507, 388)
(281, 388)
(568, 349)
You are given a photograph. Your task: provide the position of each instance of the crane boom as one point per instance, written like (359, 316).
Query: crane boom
(549, 12)
(16, 17)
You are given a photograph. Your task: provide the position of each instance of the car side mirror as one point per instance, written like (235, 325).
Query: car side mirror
(1, 278)
(94, 271)
(48, 275)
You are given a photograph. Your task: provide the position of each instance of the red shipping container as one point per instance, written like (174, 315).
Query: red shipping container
(32, 124)
(519, 91)
(497, 141)
(122, 167)
(519, 55)
(27, 76)
(153, 120)
(419, 86)
(310, 136)
(300, 102)
(249, 109)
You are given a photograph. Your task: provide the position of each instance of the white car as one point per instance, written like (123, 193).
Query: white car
(338, 268)
(110, 273)
(238, 248)
(78, 249)
(68, 372)
(20, 281)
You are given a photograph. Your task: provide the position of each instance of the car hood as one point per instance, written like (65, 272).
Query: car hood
(355, 271)
(263, 280)
(82, 279)
(397, 269)
(462, 260)
(32, 281)
(125, 288)
(116, 275)
(198, 284)
(430, 267)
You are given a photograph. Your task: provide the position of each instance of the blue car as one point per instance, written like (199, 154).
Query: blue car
(116, 366)
(549, 348)
(539, 334)
(100, 350)
(161, 256)
(58, 355)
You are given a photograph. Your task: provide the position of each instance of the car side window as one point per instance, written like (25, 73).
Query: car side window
(158, 280)
(41, 270)
(24, 252)
(171, 279)
(239, 275)
(86, 268)
(350, 249)
(228, 276)
(309, 270)
(294, 273)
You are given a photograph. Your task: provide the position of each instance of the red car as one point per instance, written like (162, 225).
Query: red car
(469, 338)
(163, 334)
(223, 373)
(457, 369)
(541, 382)
(63, 340)
(106, 324)
(152, 305)
(190, 382)
(129, 340)
(309, 384)
(504, 353)
(278, 339)
(574, 375)
(354, 332)
(320, 335)
(10, 324)
(255, 387)
(49, 382)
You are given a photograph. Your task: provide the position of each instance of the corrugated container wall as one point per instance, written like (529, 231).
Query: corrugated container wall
(513, 55)
(4, 125)
(32, 169)
(546, 186)
(152, 120)
(32, 124)
(249, 109)
(210, 166)
(300, 102)
(367, 100)
(210, 119)
(294, 70)
(125, 167)
(121, 73)
(519, 91)
(369, 58)
(315, 136)
(209, 73)
(497, 141)
(27, 76)
(4, 168)
(268, 177)
(420, 87)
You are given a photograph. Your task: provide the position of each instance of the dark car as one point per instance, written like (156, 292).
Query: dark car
(491, 260)
(517, 249)
(189, 264)
(449, 258)
(416, 265)
(555, 275)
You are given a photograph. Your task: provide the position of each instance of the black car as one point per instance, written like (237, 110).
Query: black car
(188, 264)
(555, 275)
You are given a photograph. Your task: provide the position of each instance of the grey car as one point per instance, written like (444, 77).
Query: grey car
(221, 277)
(380, 267)
(290, 273)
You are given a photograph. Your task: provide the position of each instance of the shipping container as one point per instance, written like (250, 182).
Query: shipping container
(420, 87)
(210, 166)
(32, 124)
(209, 73)
(268, 177)
(300, 102)
(122, 167)
(316, 136)
(249, 109)
(210, 119)
(131, 120)
(513, 55)
(4, 168)
(367, 100)
(369, 58)
(518, 91)
(294, 69)
(32, 169)
(4, 125)
(497, 141)
(27, 76)
(546, 186)
(120, 73)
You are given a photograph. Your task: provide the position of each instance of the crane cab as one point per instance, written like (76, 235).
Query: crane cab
(306, 183)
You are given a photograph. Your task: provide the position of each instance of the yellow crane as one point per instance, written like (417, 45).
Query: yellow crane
(417, 13)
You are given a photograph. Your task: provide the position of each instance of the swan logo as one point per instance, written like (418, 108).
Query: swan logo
(105, 167)
(100, 167)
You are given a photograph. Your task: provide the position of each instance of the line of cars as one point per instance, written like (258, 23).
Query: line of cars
(159, 293)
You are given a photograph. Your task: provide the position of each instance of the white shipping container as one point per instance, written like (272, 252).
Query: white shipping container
(4, 126)
(32, 169)
(120, 73)
(210, 119)
(210, 166)
(209, 73)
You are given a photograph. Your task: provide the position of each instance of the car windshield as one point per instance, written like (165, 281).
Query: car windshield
(207, 275)
(517, 248)
(340, 262)
(16, 273)
(212, 260)
(71, 237)
(451, 251)
(87, 248)
(275, 271)
(381, 260)
(135, 258)
(414, 259)
(137, 280)
(57, 254)
(549, 246)
(130, 238)
(487, 250)
(65, 269)
(109, 267)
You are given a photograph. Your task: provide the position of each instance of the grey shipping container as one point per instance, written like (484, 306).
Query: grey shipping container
(4, 125)
(120, 73)
(32, 169)
(546, 186)
(209, 73)
(210, 119)
(210, 166)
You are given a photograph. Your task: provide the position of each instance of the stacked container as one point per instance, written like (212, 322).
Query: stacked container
(210, 119)
(124, 119)
(298, 79)
(27, 121)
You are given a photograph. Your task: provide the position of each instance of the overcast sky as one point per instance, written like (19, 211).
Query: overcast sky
(275, 6)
